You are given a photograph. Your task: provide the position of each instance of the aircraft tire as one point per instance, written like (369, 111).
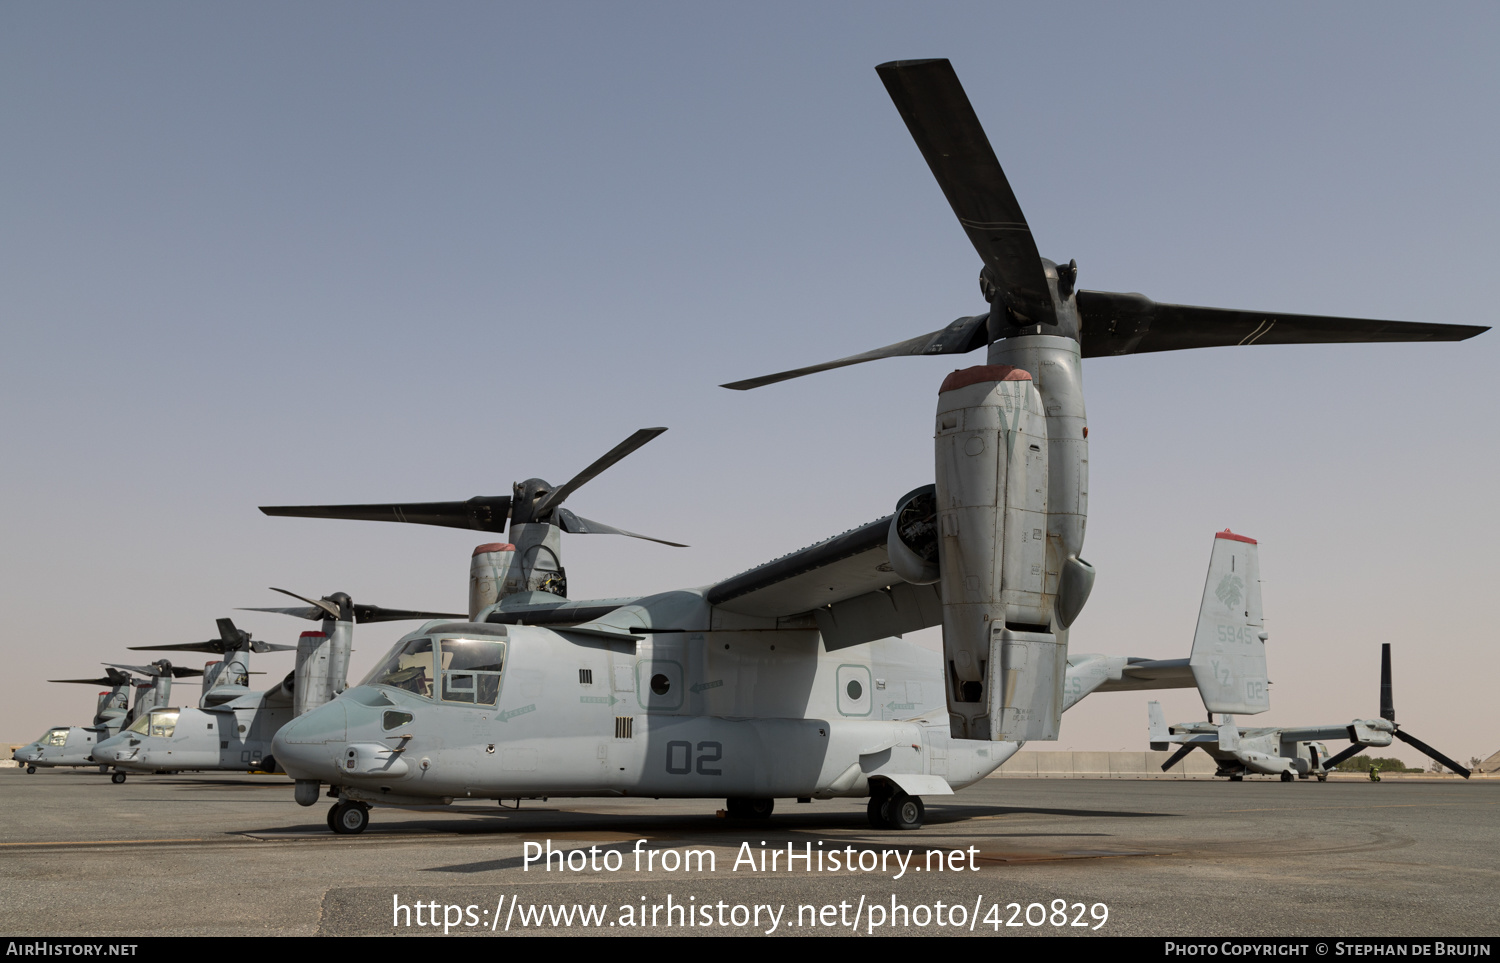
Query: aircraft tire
(349, 818)
(1236, 778)
(746, 807)
(1286, 777)
(31, 770)
(876, 811)
(905, 812)
(117, 778)
(1322, 777)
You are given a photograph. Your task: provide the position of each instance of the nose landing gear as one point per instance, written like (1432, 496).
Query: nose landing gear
(348, 818)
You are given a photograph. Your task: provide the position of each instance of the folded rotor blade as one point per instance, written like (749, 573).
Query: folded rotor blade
(1431, 753)
(331, 610)
(943, 123)
(113, 679)
(362, 614)
(213, 645)
(578, 525)
(1116, 324)
(556, 497)
(483, 513)
(960, 337)
(310, 612)
(374, 613)
(1178, 756)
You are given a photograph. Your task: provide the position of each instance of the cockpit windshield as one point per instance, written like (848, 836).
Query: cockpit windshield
(470, 669)
(160, 722)
(409, 667)
(53, 737)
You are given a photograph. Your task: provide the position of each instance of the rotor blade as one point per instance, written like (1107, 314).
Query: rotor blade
(1333, 761)
(328, 607)
(151, 670)
(577, 525)
(310, 612)
(960, 337)
(213, 645)
(362, 614)
(556, 497)
(1387, 694)
(233, 637)
(1116, 324)
(482, 513)
(124, 680)
(1178, 756)
(374, 613)
(943, 123)
(1431, 753)
(259, 647)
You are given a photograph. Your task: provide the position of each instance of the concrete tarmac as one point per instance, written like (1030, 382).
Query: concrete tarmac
(234, 856)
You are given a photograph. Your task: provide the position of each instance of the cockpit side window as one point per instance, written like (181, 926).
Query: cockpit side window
(55, 737)
(471, 670)
(409, 667)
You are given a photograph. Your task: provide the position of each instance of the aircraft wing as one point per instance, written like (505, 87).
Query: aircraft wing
(1318, 733)
(844, 582)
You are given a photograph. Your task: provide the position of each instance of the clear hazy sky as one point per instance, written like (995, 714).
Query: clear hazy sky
(300, 253)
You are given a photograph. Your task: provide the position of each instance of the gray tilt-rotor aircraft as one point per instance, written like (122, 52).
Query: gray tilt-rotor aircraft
(785, 681)
(1292, 753)
(232, 726)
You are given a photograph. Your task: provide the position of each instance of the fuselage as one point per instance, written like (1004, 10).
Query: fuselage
(500, 711)
(233, 736)
(61, 746)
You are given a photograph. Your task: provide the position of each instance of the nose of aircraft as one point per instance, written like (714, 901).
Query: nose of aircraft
(310, 745)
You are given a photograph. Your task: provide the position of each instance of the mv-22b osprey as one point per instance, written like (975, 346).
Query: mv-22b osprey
(75, 745)
(785, 681)
(232, 726)
(1291, 753)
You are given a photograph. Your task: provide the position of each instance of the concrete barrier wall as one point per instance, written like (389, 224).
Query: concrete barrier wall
(1042, 764)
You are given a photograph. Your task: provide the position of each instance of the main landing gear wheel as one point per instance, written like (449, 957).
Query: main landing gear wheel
(1322, 777)
(117, 778)
(1286, 777)
(349, 818)
(743, 807)
(31, 770)
(905, 812)
(1236, 778)
(895, 811)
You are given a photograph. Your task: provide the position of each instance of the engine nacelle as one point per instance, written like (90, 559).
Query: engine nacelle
(1005, 661)
(322, 665)
(492, 576)
(1370, 732)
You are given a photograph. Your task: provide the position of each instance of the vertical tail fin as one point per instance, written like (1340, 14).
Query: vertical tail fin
(1229, 735)
(1229, 654)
